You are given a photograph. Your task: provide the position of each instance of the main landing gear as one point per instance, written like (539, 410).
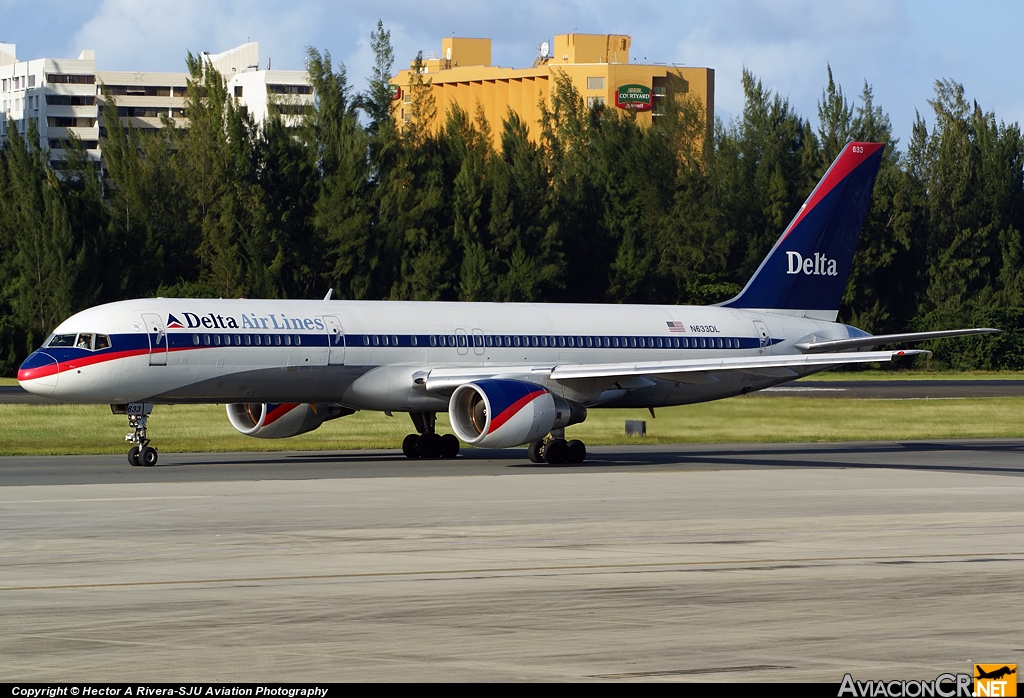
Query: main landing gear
(142, 453)
(556, 450)
(428, 443)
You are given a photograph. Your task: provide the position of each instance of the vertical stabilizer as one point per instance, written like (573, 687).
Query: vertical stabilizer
(805, 273)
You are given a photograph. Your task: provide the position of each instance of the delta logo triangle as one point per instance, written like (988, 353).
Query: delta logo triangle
(174, 323)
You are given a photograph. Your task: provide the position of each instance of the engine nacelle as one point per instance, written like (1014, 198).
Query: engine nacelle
(496, 413)
(279, 421)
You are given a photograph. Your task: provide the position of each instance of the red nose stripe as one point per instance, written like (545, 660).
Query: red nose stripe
(27, 374)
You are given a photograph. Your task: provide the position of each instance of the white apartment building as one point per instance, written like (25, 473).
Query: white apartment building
(285, 92)
(65, 96)
(58, 94)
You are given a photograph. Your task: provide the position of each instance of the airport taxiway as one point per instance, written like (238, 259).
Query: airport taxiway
(782, 562)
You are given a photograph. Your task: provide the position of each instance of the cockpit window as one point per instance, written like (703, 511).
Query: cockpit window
(84, 341)
(102, 342)
(62, 340)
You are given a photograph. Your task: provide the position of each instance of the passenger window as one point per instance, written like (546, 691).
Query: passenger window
(206, 340)
(266, 339)
(227, 340)
(366, 340)
(719, 343)
(216, 339)
(451, 340)
(489, 340)
(256, 340)
(658, 340)
(433, 340)
(415, 341)
(394, 340)
(543, 341)
(277, 340)
(516, 340)
(508, 341)
(561, 341)
(288, 340)
(195, 339)
(84, 341)
(103, 342)
(248, 340)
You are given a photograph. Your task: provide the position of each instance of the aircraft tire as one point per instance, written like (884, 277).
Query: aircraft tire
(428, 446)
(577, 452)
(409, 446)
(449, 446)
(148, 456)
(556, 452)
(133, 456)
(536, 451)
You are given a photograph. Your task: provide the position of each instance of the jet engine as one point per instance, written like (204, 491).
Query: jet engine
(279, 421)
(496, 413)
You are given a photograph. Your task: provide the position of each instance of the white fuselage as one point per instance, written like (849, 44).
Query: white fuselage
(370, 354)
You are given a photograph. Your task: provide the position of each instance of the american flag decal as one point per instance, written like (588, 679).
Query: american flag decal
(676, 326)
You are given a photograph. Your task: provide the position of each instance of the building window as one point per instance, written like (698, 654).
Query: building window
(60, 78)
(31, 80)
(595, 83)
(595, 102)
(238, 91)
(290, 89)
(659, 90)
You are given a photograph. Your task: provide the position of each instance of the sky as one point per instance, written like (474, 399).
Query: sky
(899, 47)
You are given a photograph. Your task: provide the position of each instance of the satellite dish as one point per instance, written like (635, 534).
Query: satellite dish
(544, 49)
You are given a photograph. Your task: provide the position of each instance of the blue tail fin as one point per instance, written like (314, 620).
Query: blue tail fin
(808, 266)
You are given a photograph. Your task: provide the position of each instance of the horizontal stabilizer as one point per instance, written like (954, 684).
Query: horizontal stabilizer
(882, 339)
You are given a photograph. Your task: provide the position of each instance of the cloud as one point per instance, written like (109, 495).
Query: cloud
(899, 46)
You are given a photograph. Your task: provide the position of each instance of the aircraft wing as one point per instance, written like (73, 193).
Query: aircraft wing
(682, 371)
(879, 340)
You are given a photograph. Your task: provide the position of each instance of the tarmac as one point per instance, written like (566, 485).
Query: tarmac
(780, 562)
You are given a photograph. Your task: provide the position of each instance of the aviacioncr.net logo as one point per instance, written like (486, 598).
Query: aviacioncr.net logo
(943, 686)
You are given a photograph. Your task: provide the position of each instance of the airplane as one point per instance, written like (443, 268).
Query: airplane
(508, 374)
(995, 674)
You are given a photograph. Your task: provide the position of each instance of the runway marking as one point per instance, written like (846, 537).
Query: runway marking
(988, 557)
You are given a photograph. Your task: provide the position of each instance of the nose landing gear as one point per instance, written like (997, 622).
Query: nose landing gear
(138, 414)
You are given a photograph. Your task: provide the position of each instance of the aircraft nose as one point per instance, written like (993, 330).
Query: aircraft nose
(39, 374)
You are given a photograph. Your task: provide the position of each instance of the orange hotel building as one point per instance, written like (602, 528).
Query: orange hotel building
(598, 65)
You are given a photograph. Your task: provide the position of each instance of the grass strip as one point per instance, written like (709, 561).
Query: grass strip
(83, 429)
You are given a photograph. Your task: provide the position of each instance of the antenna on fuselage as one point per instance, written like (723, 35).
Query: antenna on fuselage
(328, 296)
